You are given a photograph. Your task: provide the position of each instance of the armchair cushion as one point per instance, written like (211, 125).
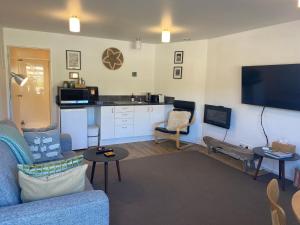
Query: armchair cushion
(178, 119)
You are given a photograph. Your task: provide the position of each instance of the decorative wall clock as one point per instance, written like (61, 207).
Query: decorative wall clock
(112, 58)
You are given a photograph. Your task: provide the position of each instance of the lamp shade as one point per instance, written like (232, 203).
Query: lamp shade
(165, 36)
(74, 24)
(19, 78)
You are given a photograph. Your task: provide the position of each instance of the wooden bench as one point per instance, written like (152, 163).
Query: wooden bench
(237, 152)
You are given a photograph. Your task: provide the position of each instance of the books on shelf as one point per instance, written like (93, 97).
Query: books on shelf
(279, 155)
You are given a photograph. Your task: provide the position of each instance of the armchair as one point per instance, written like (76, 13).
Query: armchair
(163, 133)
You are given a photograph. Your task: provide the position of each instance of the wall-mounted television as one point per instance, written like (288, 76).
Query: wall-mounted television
(217, 115)
(275, 86)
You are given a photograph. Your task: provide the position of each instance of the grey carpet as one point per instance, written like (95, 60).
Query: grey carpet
(187, 188)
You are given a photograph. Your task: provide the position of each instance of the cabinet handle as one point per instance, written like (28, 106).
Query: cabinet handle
(112, 110)
(151, 108)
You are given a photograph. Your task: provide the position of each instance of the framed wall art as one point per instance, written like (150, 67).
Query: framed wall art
(74, 75)
(73, 60)
(177, 72)
(178, 57)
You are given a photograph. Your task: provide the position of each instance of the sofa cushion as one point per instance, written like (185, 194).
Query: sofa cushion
(37, 188)
(44, 144)
(9, 187)
(50, 168)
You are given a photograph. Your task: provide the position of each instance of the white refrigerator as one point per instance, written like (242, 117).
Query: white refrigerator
(74, 122)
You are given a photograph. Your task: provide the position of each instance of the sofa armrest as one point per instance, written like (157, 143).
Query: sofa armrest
(65, 142)
(89, 208)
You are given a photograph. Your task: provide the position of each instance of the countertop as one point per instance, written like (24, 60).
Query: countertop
(113, 103)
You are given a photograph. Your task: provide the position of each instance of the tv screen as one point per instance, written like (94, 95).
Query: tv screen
(217, 115)
(272, 86)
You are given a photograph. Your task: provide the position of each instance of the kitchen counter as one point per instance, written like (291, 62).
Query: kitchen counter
(113, 103)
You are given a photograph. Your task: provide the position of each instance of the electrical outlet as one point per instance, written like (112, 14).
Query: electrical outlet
(246, 146)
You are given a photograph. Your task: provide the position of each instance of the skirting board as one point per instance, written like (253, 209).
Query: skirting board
(138, 139)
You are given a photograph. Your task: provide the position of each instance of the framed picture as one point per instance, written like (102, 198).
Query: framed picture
(177, 72)
(74, 75)
(73, 60)
(178, 57)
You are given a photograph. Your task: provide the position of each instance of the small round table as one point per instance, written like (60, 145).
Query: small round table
(90, 155)
(261, 154)
(296, 205)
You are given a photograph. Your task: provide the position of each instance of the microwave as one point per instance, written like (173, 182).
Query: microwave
(77, 96)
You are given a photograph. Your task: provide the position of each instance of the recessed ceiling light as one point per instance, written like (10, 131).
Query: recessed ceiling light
(165, 36)
(74, 24)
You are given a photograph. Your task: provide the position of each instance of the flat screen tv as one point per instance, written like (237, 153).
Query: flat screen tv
(217, 115)
(275, 86)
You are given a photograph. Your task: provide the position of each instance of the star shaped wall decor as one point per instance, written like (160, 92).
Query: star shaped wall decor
(112, 58)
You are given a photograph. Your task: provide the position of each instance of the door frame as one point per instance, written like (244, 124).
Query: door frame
(8, 81)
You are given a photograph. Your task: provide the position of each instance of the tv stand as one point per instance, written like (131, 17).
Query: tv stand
(237, 152)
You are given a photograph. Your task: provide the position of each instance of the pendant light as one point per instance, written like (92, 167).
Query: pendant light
(74, 24)
(165, 36)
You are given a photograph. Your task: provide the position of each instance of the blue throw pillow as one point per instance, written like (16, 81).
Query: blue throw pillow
(44, 145)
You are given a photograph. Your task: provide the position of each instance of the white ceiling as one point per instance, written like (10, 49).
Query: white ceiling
(128, 19)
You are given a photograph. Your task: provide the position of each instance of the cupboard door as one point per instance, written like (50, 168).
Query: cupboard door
(107, 125)
(142, 122)
(157, 114)
(74, 123)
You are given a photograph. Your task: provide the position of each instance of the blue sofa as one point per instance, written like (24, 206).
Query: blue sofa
(90, 207)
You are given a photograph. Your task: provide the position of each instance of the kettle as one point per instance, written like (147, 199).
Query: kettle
(161, 98)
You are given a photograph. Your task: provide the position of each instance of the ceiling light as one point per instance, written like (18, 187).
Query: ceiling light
(298, 3)
(165, 36)
(74, 24)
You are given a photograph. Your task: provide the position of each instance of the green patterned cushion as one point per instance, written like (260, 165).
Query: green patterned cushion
(50, 168)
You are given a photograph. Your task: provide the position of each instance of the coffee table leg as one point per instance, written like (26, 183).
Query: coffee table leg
(105, 176)
(258, 167)
(118, 169)
(93, 172)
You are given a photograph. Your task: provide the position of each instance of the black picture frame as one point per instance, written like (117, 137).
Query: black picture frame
(73, 60)
(74, 75)
(177, 72)
(178, 57)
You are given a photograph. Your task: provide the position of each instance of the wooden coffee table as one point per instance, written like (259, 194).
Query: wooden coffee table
(90, 155)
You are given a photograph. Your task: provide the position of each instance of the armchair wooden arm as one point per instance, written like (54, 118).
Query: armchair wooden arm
(159, 123)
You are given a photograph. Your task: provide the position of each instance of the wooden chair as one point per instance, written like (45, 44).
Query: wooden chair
(162, 132)
(277, 213)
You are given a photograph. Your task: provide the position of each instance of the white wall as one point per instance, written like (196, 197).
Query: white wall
(271, 45)
(92, 69)
(3, 98)
(192, 85)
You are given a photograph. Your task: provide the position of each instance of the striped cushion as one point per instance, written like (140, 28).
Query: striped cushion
(47, 169)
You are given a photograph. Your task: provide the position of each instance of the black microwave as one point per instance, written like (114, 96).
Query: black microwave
(77, 96)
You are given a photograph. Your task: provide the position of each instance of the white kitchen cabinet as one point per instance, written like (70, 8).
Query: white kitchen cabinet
(74, 123)
(124, 121)
(107, 122)
(157, 113)
(130, 121)
(142, 121)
